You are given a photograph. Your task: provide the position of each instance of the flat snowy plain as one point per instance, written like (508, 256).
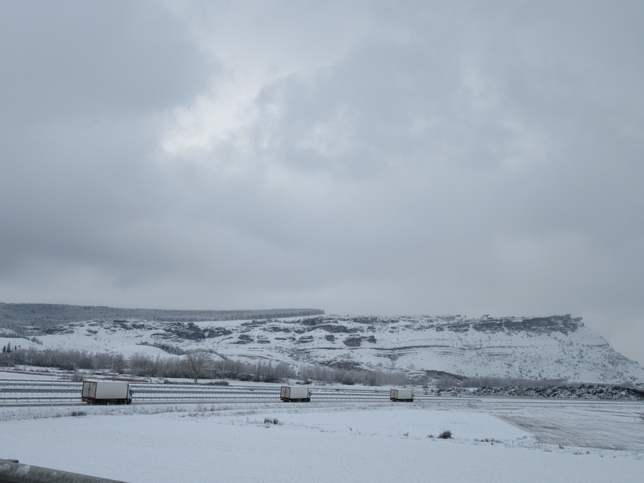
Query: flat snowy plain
(322, 442)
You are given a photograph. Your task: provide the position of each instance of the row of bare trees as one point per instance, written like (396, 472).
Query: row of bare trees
(195, 364)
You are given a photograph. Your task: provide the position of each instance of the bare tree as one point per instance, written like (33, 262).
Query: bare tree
(197, 360)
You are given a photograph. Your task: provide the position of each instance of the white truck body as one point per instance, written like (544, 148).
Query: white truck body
(295, 394)
(401, 395)
(104, 392)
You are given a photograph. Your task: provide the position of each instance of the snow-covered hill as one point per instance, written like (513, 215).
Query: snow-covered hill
(556, 347)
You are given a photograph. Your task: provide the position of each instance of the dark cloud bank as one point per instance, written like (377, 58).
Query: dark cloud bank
(440, 157)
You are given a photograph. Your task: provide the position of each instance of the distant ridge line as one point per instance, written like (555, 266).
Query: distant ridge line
(47, 315)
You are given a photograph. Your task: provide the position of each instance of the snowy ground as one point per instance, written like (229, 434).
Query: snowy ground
(329, 442)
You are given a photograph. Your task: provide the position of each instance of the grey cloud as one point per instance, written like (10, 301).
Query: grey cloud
(450, 158)
(76, 58)
(83, 85)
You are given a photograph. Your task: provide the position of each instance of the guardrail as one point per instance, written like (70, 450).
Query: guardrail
(69, 394)
(24, 393)
(11, 471)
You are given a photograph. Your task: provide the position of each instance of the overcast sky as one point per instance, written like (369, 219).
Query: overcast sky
(431, 157)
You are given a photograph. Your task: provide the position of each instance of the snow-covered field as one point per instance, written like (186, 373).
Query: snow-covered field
(325, 442)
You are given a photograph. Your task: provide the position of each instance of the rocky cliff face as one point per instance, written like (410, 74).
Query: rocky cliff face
(555, 347)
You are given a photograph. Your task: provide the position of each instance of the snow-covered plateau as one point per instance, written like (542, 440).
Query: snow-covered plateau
(531, 348)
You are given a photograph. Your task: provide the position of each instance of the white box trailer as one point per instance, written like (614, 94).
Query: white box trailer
(106, 392)
(295, 394)
(401, 395)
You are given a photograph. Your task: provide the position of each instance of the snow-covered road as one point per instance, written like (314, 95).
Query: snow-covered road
(620, 428)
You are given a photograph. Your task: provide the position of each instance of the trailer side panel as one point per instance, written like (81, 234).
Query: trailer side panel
(295, 394)
(105, 392)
